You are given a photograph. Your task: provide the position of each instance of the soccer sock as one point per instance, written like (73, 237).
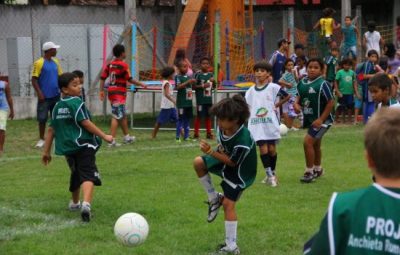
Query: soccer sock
(266, 160)
(309, 170)
(85, 204)
(196, 126)
(230, 234)
(208, 187)
(127, 136)
(208, 125)
(317, 168)
(178, 128)
(273, 163)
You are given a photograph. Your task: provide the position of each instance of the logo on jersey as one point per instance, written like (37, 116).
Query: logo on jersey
(261, 117)
(261, 112)
(311, 90)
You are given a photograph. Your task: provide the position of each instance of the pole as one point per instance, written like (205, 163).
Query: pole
(262, 41)
(105, 37)
(291, 28)
(359, 25)
(217, 50)
(346, 9)
(227, 62)
(154, 63)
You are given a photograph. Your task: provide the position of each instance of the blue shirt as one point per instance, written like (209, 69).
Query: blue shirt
(3, 98)
(277, 61)
(47, 72)
(350, 36)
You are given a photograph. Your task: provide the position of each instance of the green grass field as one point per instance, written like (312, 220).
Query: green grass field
(156, 179)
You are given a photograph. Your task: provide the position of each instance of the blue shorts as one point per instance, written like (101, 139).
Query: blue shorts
(318, 133)
(118, 111)
(346, 101)
(46, 107)
(167, 115)
(357, 103)
(349, 52)
(203, 110)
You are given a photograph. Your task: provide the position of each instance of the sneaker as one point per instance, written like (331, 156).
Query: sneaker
(187, 139)
(319, 173)
(40, 144)
(74, 207)
(114, 144)
(272, 181)
(210, 136)
(307, 177)
(265, 180)
(85, 212)
(129, 139)
(178, 140)
(225, 249)
(195, 137)
(213, 207)
(294, 129)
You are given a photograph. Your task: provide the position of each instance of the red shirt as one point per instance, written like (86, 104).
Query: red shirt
(119, 74)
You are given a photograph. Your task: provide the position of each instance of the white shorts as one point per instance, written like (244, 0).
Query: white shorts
(3, 119)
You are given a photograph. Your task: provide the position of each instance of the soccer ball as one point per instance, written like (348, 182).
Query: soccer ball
(131, 229)
(283, 129)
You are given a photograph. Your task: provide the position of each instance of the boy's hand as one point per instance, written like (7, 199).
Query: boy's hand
(317, 123)
(11, 115)
(192, 81)
(340, 95)
(297, 108)
(204, 146)
(101, 95)
(46, 158)
(108, 138)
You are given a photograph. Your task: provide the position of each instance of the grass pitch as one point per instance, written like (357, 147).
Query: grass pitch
(156, 179)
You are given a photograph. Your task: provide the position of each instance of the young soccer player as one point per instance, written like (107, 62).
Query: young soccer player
(184, 103)
(278, 59)
(316, 100)
(380, 87)
(263, 100)
(345, 88)
(365, 221)
(331, 62)
(6, 111)
(77, 138)
(119, 74)
(81, 77)
(168, 110)
(235, 160)
(289, 83)
(203, 89)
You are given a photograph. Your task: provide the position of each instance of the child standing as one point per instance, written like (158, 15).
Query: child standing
(168, 111)
(278, 59)
(6, 111)
(300, 67)
(119, 74)
(349, 39)
(77, 138)
(380, 87)
(80, 75)
(345, 88)
(184, 103)
(327, 25)
(289, 82)
(263, 125)
(203, 88)
(235, 160)
(331, 62)
(316, 99)
(364, 221)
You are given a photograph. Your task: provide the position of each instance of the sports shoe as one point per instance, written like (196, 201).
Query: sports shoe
(294, 129)
(307, 177)
(74, 207)
(195, 137)
(129, 139)
(178, 140)
(85, 212)
(225, 249)
(213, 207)
(272, 181)
(40, 144)
(319, 173)
(210, 136)
(114, 144)
(265, 180)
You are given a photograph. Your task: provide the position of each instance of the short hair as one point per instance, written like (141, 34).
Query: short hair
(372, 52)
(118, 50)
(234, 108)
(64, 79)
(299, 46)
(328, 12)
(382, 141)
(263, 65)
(371, 25)
(346, 61)
(348, 17)
(78, 73)
(380, 80)
(303, 58)
(180, 62)
(334, 49)
(167, 72)
(318, 60)
(205, 58)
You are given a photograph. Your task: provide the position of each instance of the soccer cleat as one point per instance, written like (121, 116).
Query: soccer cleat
(319, 173)
(272, 181)
(213, 207)
(308, 177)
(40, 144)
(129, 139)
(85, 212)
(210, 136)
(225, 249)
(74, 207)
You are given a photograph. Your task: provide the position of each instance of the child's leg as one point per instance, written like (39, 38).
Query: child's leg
(349, 114)
(155, 130)
(2, 139)
(356, 113)
(186, 127)
(196, 126)
(265, 158)
(204, 178)
(309, 152)
(273, 155)
(230, 223)
(87, 191)
(179, 127)
(114, 126)
(124, 125)
(75, 195)
(317, 154)
(208, 125)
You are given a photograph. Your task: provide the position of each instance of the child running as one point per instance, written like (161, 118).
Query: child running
(263, 125)
(78, 139)
(289, 83)
(235, 160)
(6, 111)
(316, 100)
(168, 110)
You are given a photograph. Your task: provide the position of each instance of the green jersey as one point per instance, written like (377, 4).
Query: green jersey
(203, 95)
(345, 80)
(314, 96)
(361, 222)
(241, 149)
(70, 136)
(331, 63)
(185, 95)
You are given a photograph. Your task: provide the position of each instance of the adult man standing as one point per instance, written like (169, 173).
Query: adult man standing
(278, 59)
(45, 82)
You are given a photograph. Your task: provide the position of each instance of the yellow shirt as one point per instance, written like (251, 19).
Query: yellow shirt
(326, 26)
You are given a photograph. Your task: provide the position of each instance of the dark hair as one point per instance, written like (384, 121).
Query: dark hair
(380, 80)
(384, 62)
(348, 17)
(179, 62)
(167, 72)
(346, 61)
(78, 73)
(234, 108)
(286, 62)
(371, 26)
(391, 50)
(263, 65)
(372, 52)
(118, 50)
(334, 49)
(65, 78)
(301, 58)
(299, 46)
(205, 58)
(179, 55)
(318, 60)
(328, 12)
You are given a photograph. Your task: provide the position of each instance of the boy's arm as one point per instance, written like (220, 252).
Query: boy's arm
(316, 25)
(283, 83)
(206, 148)
(36, 86)
(9, 101)
(328, 108)
(137, 83)
(336, 88)
(335, 25)
(167, 95)
(184, 85)
(92, 128)
(46, 157)
(296, 105)
(285, 97)
(355, 87)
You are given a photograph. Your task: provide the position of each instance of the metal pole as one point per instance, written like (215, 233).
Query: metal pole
(346, 9)
(227, 61)
(217, 50)
(291, 28)
(359, 39)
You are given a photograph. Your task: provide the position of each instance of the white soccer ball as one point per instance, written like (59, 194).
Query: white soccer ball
(283, 129)
(131, 229)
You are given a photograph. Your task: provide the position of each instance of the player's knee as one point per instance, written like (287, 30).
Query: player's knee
(198, 164)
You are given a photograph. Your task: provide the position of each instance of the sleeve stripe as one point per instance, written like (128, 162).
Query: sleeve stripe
(330, 225)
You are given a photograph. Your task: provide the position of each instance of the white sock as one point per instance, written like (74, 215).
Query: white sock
(208, 187)
(309, 170)
(84, 204)
(230, 234)
(127, 136)
(317, 168)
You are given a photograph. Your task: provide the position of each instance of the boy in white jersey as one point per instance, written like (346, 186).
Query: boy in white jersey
(380, 86)
(366, 221)
(263, 100)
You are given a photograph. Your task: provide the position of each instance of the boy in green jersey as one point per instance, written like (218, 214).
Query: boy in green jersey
(77, 138)
(366, 221)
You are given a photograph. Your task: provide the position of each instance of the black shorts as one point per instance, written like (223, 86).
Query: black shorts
(83, 168)
(268, 142)
(203, 110)
(318, 133)
(45, 108)
(186, 112)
